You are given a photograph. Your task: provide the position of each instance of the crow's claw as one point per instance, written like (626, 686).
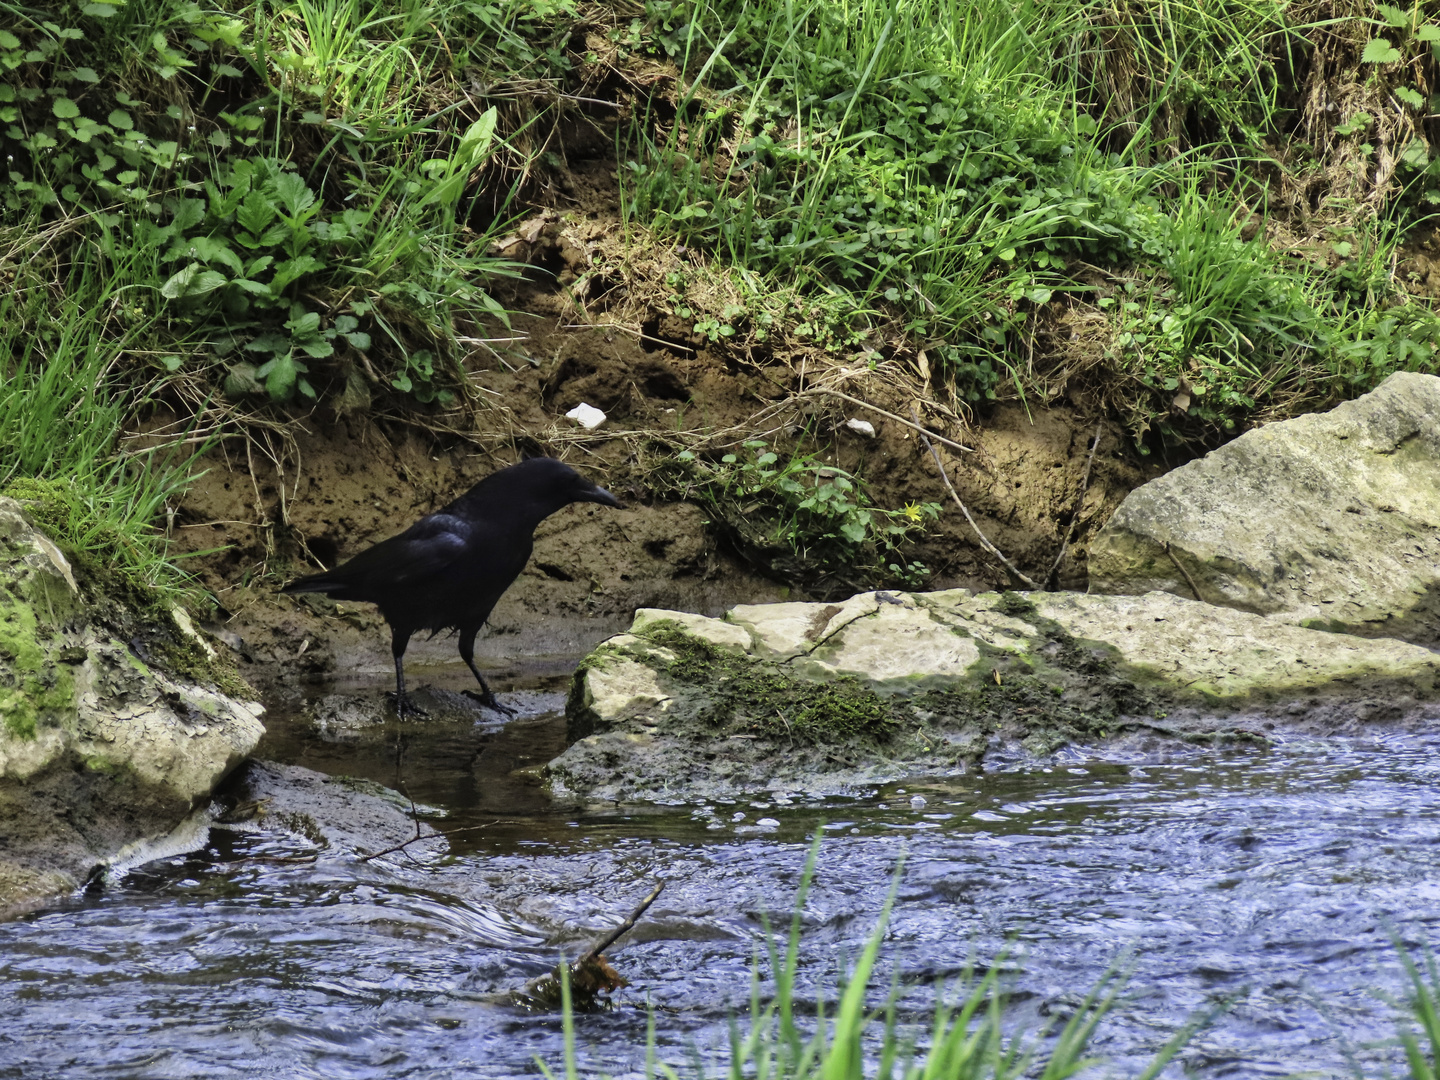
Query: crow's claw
(405, 707)
(489, 700)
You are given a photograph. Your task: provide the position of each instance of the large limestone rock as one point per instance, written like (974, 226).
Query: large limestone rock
(99, 748)
(824, 697)
(1331, 520)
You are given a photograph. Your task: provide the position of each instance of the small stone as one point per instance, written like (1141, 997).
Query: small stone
(768, 823)
(861, 427)
(587, 416)
(917, 802)
(739, 815)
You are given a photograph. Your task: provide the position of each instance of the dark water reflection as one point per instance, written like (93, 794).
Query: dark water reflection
(1275, 877)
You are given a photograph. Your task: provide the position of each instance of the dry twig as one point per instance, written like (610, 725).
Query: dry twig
(1165, 544)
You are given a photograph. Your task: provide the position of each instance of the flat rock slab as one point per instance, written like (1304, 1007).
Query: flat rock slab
(1331, 519)
(829, 697)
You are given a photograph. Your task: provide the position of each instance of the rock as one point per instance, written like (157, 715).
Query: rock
(1330, 520)
(587, 416)
(99, 748)
(825, 698)
(861, 427)
(343, 814)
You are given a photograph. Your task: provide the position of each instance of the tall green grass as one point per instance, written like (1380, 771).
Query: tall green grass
(967, 1038)
(68, 392)
(969, 171)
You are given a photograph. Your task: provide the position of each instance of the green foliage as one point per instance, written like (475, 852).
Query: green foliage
(62, 408)
(796, 507)
(968, 1040)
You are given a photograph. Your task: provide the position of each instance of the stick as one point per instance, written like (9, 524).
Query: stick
(898, 419)
(1051, 578)
(1180, 566)
(624, 928)
(984, 542)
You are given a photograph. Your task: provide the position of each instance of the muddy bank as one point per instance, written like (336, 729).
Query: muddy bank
(594, 324)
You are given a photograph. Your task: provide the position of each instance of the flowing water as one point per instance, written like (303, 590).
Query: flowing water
(1276, 878)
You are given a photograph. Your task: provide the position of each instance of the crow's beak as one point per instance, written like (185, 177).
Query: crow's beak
(604, 498)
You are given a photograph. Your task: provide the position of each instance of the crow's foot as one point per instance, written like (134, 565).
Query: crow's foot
(489, 700)
(405, 707)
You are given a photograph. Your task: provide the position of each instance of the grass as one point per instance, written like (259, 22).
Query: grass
(215, 211)
(1018, 199)
(970, 176)
(966, 1040)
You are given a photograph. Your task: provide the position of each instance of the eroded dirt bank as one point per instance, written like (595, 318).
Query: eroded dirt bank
(284, 499)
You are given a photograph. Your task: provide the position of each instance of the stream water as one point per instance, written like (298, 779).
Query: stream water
(1278, 878)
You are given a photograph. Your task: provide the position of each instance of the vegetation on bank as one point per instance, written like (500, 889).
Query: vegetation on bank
(218, 217)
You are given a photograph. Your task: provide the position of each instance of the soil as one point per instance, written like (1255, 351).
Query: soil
(284, 502)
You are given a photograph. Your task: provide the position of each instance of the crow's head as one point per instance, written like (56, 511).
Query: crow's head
(555, 483)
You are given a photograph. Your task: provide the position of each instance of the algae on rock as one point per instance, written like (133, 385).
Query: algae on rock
(827, 697)
(98, 749)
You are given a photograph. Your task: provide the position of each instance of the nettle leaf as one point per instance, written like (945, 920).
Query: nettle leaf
(318, 347)
(293, 193)
(1393, 15)
(8, 40)
(121, 119)
(271, 341)
(65, 109)
(1380, 51)
(280, 375)
(99, 11)
(255, 213)
(194, 280)
(185, 213)
(1410, 97)
(294, 269)
(213, 249)
(255, 288)
(1428, 32)
(85, 74)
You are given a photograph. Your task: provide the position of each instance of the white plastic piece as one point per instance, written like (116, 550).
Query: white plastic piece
(861, 427)
(587, 416)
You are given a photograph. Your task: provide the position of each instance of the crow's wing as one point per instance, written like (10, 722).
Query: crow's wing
(422, 552)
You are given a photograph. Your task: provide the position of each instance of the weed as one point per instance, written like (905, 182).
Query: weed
(800, 511)
(968, 1041)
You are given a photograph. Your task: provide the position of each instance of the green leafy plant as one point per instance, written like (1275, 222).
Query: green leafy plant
(796, 512)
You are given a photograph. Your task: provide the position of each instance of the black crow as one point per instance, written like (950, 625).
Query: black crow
(448, 569)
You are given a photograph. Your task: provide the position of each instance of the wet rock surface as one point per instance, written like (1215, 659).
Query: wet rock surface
(827, 698)
(99, 748)
(344, 815)
(1330, 519)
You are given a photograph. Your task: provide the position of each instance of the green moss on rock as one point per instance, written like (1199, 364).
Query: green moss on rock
(760, 697)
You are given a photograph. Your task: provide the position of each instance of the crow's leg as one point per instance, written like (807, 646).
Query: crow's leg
(399, 641)
(467, 653)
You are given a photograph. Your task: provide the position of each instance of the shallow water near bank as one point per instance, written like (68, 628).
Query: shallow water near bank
(1272, 876)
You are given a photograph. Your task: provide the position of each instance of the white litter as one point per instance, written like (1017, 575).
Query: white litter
(587, 416)
(861, 427)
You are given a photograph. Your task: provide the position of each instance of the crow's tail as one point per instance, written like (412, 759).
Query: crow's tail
(321, 583)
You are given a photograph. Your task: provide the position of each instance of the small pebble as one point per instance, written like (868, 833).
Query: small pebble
(739, 815)
(917, 802)
(768, 823)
